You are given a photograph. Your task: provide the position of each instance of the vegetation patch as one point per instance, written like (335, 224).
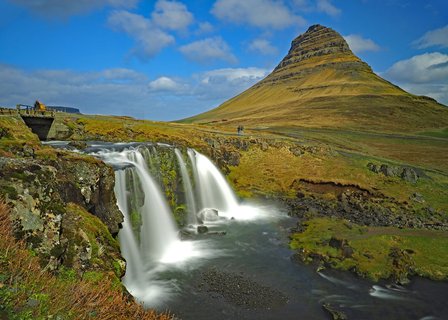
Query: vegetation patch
(373, 252)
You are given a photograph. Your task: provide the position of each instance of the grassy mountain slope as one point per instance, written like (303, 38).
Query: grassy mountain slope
(321, 83)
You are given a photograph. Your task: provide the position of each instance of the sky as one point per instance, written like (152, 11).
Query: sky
(167, 60)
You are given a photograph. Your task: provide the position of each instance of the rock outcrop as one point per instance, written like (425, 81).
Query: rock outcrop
(65, 210)
(405, 173)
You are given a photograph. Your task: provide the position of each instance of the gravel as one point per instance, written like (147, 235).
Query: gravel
(238, 289)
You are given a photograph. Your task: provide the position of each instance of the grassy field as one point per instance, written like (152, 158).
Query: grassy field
(422, 150)
(375, 252)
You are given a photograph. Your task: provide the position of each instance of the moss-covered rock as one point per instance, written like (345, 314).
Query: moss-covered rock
(87, 243)
(65, 210)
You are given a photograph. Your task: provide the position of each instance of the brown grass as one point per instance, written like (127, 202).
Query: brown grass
(22, 280)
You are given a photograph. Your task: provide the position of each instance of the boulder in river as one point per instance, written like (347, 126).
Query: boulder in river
(335, 314)
(207, 214)
(202, 229)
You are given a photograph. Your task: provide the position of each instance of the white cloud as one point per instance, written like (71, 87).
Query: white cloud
(150, 39)
(171, 15)
(222, 84)
(425, 74)
(303, 5)
(424, 68)
(359, 44)
(205, 27)
(208, 50)
(327, 7)
(234, 74)
(262, 46)
(164, 84)
(437, 37)
(257, 13)
(65, 8)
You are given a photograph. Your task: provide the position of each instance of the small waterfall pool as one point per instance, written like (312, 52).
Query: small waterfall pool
(199, 277)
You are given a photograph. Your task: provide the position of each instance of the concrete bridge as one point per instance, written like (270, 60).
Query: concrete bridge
(38, 121)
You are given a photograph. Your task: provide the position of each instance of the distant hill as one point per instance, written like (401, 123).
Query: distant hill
(321, 83)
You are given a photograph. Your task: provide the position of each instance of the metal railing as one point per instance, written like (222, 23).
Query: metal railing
(8, 111)
(36, 113)
(27, 112)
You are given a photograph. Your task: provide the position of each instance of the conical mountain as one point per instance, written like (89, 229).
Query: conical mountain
(321, 83)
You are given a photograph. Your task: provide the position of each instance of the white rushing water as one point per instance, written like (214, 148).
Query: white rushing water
(149, 239)
(188, 189)
(127, 239)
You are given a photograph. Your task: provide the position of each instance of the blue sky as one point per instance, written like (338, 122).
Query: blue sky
(166, 60)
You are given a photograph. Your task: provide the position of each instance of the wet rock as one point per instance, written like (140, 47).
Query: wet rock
(207, 214)
(335, 314)
(80, 145)
(202, 229)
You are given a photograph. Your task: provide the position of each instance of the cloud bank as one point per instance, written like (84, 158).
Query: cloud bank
(121, 91)
(425, 74)
(359, 44)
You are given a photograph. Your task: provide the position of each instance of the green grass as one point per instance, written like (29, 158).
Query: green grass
(420, 252)
(438, 134)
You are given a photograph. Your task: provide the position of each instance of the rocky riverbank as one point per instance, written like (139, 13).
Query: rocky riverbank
(370, 235)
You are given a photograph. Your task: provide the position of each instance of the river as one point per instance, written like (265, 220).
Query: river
(246, 273)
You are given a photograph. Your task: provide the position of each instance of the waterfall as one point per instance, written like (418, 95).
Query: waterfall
(214, 190)
(192, 157)
(188, 189)
(158, 228)
(129, 247)
(152, 243)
